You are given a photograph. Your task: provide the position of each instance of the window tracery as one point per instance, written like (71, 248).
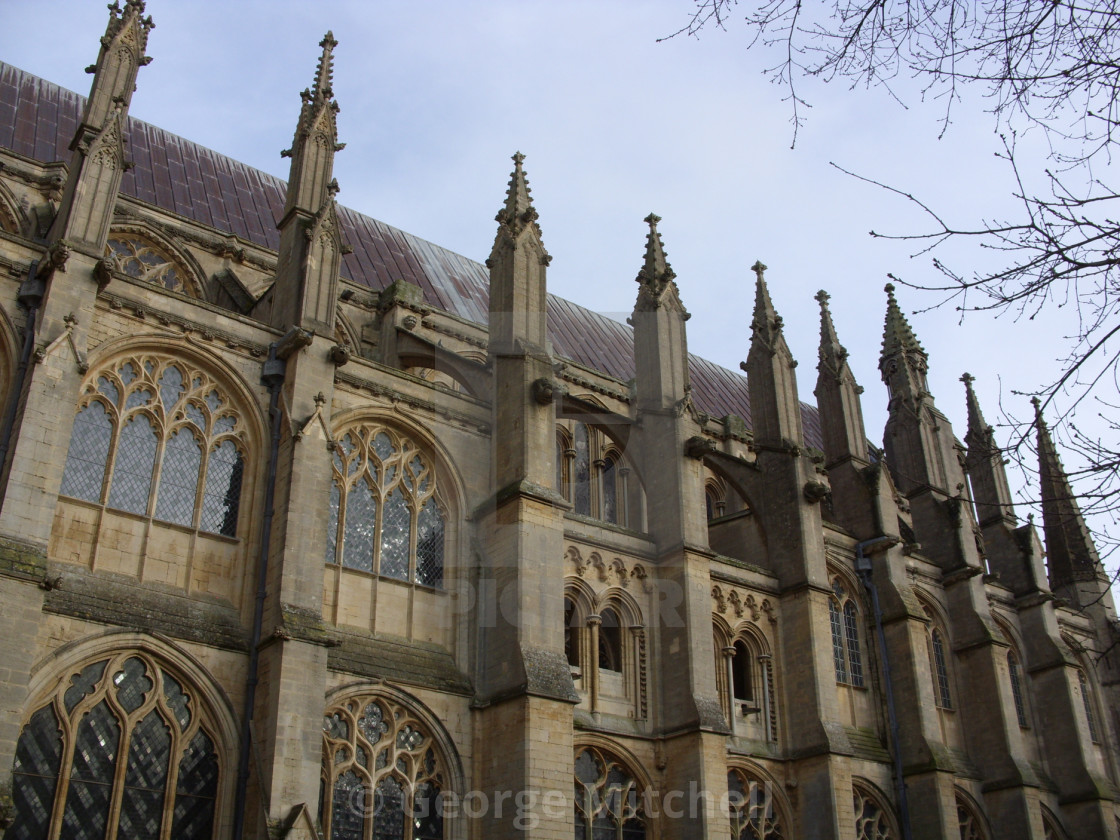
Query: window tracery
(1087, 700)
(384, 514)
(754, 810)
(971, 826)
(843, 618)
(139, 257)
(608, 802)
(592, 474)
(158, 438)
(872, 821)
(383, 774)
(120, 749)
(1015, 674)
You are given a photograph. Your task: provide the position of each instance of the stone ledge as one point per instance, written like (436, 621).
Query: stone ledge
(22, 561)
(400, 660)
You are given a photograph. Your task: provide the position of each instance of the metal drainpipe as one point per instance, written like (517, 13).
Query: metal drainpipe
(272, 376)
(30, 297)
(863, 568)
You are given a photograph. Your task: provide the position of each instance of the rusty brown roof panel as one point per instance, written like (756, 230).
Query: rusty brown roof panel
(38, 119)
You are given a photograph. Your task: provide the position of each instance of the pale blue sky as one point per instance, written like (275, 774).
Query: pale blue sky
(436, 96)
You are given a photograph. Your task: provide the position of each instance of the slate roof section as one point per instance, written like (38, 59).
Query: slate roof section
(38, 119)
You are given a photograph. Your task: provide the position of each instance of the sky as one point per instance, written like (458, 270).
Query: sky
(436, 96)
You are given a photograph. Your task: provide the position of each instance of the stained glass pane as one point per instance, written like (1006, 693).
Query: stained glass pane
(332, 524)
(427, 819)
(396, 520)
(195, 415)
(38, 758)
(382, 446)
(347, 805)
(409, 738)
(224, 425)
(361, 522)
(851, 636)
(177, 700)
(132, 472)
(89, 450)
(127, 373)
(839, 660)
(335, 726)
(139, 397)
(581, 468)
(1016, 689)
(429, 545)
(193, 817)
(389, 813)
(97, 740)
(178, 480)
(133, 684)
(634, 829)
(372, 723)
(213, 401)
(221, 498)
(83, 684)
(145, 778)
(170, 388)
(108, 389)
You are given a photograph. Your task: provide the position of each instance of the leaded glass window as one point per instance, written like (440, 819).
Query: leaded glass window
(608, 802)
(122, 710)
(139, 257)
(969, 822)
(1017, 688)
(940, 670)
(581, 469)
(385, 515)
(871, 819)
(155, 436)
(1090, 717)
(754, 811)
(843, 616)
(384, 772)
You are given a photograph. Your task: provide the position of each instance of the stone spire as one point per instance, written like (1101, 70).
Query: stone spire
(838, 395)
(518, 263)
(656, 277)
(316, 139)
(98, 161)
(775, 409)
(311, 248)
(1071, 555)
(660, 342)
(903, 362)
(991, 493)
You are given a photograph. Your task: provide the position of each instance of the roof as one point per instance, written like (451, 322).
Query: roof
(38, 120)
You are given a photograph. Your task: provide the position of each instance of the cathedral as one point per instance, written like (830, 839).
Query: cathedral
(310, 528)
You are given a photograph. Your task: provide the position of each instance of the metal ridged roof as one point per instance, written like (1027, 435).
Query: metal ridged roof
(38, 120)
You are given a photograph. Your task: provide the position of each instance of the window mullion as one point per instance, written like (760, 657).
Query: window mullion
(111, 458)
(200, 480)
(66, 766)
(413, 525)
(121, 768)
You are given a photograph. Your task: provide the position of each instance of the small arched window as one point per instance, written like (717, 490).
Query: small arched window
(593, 475)
(742, 672)
(610, 641)
(609, 805)
(160, 438)
(581, 470)
(844, 620)
(140, 257)
(1087, 700)
(130, 741)
(609, 482)
(383, 774)
(1014, 672)
(938, 665)
(384, 514)
(571, 633)
(754, 809)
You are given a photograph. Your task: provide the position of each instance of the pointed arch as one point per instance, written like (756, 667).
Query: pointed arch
(874, 814)
(384, 747)
(970, 817)
(139, 250)
(124, 701)
(12, 217)
(165, 431)
(758, 808)
(611, 790)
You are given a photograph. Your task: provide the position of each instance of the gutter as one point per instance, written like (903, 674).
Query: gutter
(863, 569)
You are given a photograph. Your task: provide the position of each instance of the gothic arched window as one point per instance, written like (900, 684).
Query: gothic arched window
(1015, 673)
(754, 811)
(382, 773)
(139, 257)
(593, 475)
(970, 823)
(610, 641)
(120, 750)
(872, 818)
(608, 802)
(384, 513)
(844, 620)
(1087, 700)
(158, 437)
